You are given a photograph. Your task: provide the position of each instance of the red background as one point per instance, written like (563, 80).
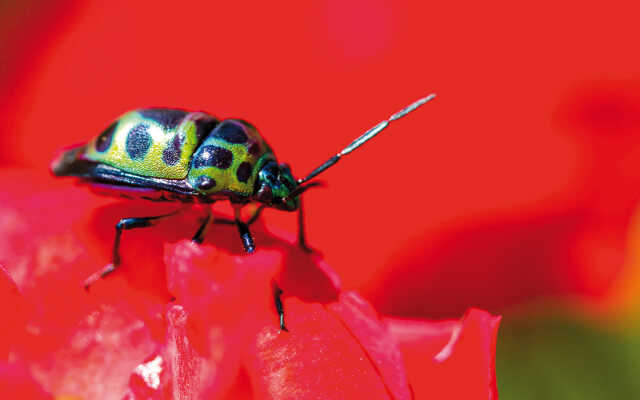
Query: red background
(519, 180)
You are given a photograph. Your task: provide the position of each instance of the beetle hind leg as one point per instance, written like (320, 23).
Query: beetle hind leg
(123, 224)
(277, 292)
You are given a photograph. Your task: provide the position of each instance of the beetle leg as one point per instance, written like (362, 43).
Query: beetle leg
(256, 214)
(277, 292)
(302, 237)
(243, 229)
(204, 227)
(124, 223)
(254, 217)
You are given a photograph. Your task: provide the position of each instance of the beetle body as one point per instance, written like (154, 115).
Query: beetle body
(164, 154)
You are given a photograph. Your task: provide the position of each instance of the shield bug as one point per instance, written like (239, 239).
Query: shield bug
(162, 154)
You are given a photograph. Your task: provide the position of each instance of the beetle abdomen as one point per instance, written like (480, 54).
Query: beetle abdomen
(156, 142)
(228, 159)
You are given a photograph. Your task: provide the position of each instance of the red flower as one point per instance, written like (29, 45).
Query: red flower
(126, 339)
(523, 171)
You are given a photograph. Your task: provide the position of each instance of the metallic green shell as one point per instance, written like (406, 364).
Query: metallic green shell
(140, 141)
(209, 155)
(222, 164)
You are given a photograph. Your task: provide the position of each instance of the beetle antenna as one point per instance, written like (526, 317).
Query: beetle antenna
(303, 188)
(366, 137)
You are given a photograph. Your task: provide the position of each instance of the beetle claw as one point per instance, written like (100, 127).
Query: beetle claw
(307, 249)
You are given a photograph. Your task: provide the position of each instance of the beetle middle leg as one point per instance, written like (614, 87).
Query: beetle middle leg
(254, 217)
(123, 224)
(243, 229)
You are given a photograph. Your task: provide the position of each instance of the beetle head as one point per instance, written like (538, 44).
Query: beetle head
(275, 185)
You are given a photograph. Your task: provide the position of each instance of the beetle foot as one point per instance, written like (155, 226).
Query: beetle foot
(282, 327)
(306, 248)
(277, 292)
(109, 268)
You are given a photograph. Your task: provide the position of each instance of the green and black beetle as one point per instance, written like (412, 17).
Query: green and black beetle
(163, 154)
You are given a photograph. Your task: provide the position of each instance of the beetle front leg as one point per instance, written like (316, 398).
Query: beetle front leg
(245, 235)
(256, 214)
(125, 223)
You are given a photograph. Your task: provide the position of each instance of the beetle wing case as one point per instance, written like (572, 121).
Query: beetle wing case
(72, 163)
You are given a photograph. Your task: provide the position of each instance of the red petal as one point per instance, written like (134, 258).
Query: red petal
(453, 360)
(226, 298)
(17, 383)
(337, 347)
(193, 374)
(362, 322)
(97, 360)
(318, 359)
(150, 380)
(13, 312)
(219, 287)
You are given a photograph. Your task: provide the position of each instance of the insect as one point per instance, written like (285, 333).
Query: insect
(162, 154)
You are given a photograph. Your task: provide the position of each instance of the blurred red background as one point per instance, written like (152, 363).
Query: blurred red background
(519, 181)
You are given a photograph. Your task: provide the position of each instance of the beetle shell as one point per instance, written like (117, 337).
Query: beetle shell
(211, 155)
(229, 158)
(151, 142)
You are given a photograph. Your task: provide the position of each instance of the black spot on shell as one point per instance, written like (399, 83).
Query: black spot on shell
(204, 126)
(212, 156)
(244, 171)
(230, 131)
(171, 154)
(205, 183)
(254, 148)
(138, 142)
(168, 118)
(104, 140)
